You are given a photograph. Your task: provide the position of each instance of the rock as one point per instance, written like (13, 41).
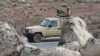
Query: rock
(14, 1)
(74, 33)
(22, 1)
(58, 51)
(72, 46)
(8, 40)
(92, 48)
(37, 13)
(88, 0)
(96, 33)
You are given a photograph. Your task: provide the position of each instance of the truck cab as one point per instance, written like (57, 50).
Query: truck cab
(49, 27)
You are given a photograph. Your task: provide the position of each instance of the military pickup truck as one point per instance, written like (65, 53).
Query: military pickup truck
(49, 27)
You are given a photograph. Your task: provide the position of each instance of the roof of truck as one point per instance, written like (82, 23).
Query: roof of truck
(52, 18)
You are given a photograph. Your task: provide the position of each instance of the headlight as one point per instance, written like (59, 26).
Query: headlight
(30, 31)
(27, 31)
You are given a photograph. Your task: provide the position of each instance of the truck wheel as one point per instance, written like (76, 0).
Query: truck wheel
(37, 38)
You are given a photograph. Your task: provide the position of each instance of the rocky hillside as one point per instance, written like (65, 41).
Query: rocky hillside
(21, 13)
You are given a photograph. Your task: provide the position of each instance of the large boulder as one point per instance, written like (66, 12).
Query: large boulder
(8, 40)
(92, 48)
(74, 33)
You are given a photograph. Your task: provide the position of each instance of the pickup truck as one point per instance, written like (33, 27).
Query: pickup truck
(49, 27)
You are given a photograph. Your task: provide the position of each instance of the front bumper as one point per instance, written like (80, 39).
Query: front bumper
(28, 35)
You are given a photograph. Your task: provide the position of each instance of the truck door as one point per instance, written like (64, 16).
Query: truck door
(52, 29)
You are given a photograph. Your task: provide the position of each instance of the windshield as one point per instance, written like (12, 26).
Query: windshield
(44, 22)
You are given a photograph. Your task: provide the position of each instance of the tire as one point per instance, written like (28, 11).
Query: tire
(37, 37)
(30, 37)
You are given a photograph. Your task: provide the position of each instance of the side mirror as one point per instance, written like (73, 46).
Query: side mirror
(49, 26)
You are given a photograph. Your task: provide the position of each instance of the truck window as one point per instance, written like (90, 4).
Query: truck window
(53, 23)
(44, 22)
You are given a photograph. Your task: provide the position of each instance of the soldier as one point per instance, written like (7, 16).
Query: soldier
(61, 13)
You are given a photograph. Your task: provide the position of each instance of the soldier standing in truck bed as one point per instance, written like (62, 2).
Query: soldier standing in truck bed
(61, 13)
